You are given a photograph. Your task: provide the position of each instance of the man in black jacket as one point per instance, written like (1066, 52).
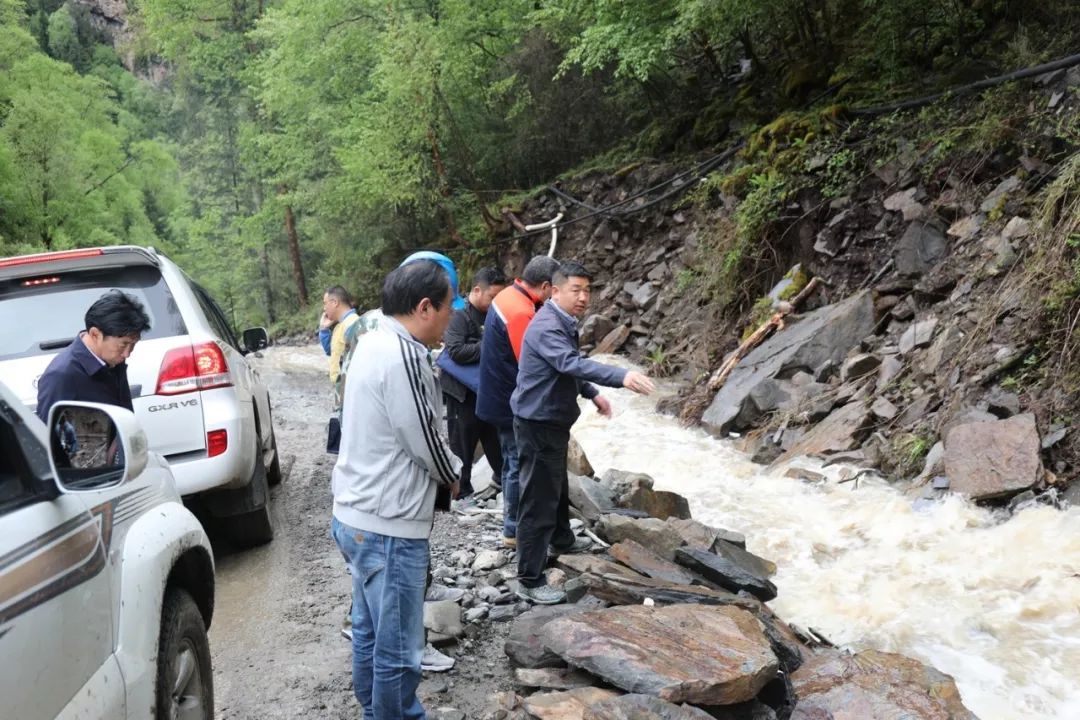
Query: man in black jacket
(460, 374)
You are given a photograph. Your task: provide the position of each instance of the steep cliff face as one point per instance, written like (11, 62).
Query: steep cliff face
(965, 259)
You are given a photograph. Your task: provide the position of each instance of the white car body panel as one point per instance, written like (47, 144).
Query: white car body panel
(82, 583)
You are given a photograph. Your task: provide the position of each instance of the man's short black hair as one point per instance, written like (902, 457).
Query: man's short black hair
(486, 277)
(406, 286)
(540, 270)
(340, 294)
(568, 269)
(117, 314)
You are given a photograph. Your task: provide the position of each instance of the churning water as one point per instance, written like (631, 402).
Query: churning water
(996, 604)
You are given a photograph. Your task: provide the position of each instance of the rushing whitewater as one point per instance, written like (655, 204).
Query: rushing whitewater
(996, 604)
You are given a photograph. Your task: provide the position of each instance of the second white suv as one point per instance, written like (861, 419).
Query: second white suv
(202, 405)
(106, 579)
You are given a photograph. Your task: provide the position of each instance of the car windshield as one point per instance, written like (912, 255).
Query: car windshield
(41, 315)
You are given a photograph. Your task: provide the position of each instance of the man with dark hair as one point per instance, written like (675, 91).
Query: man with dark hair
(460, 363)
(510, 314)
(551, 376)
(392, 460)
(338, 316)
(93, 367)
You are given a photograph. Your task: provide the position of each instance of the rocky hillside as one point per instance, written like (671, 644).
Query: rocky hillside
(936, 343)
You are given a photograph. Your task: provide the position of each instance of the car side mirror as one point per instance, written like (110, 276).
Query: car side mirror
(255, 338)
(93, 446)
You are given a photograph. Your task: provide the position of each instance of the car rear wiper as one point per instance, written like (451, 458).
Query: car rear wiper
(55, 344)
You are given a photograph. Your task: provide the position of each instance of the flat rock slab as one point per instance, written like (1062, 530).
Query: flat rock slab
(709, 655)
(731, 568)
(699, 535)
(595, 564)
(985, 460)
(643, 707)
(922, 245)
(622, 590)
(873, 684)
(565, 705)
(553, 678)
(841, 431)
(524, 646)
(654, 534)
(646, 562)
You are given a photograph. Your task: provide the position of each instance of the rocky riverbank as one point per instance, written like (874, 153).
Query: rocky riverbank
(942, 322)
(667, 619)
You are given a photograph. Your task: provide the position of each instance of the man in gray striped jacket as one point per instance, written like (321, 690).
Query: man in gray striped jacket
(393, 457)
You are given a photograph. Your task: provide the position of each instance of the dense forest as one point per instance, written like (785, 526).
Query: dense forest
(274, 147)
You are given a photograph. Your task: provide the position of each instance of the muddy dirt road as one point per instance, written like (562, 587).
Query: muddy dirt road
(276, 642)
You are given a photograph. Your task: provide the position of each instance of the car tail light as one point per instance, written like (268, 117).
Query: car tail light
(217, 442)
(50, 257)
(191, 368)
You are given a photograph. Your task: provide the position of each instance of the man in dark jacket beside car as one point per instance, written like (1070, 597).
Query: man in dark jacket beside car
(551, 375)
(460, 363)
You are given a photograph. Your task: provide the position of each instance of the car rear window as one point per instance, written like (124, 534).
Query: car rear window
(36, 319)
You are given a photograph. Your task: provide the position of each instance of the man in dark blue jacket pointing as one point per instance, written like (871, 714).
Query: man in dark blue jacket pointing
(551, 375)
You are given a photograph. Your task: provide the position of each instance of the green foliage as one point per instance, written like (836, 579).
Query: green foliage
(659, 362)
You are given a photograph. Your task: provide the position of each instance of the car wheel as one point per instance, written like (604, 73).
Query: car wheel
(273, 473)
(185, 680)
(254, 527)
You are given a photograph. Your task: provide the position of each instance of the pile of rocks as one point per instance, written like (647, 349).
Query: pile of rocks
(670, 623)
(923, 324)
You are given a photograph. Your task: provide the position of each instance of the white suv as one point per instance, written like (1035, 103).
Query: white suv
(202, 405)
(106, 579)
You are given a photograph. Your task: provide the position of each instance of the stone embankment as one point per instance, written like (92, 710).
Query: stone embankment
(666, 619)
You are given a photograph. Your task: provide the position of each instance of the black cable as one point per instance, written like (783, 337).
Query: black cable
(1061, 64)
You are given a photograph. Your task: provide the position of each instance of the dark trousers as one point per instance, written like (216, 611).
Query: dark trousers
(465, 430)
(544, 509)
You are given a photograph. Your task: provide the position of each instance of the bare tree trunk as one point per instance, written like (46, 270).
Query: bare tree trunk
(268, 288)
(444, 186)
(294, 255)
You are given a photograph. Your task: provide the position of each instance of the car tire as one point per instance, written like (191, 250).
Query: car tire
(254, 527)
(185, 678)
(273, 473)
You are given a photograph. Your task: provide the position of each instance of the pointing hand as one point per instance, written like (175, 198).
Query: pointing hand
(639, 383)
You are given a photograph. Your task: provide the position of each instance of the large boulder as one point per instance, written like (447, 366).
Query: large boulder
(639, 495)
(523, 644)
(731, 568)
(709, 655)
(654, 534)
(986, 460)
(834, 685)
(822, 336)
(643, 707)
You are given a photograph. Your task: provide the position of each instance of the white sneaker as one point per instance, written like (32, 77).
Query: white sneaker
(435, 661)
(439, 592)
(346, 628)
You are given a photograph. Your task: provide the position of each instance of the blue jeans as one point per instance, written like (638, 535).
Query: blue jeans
(389, 576)
(511, 487)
